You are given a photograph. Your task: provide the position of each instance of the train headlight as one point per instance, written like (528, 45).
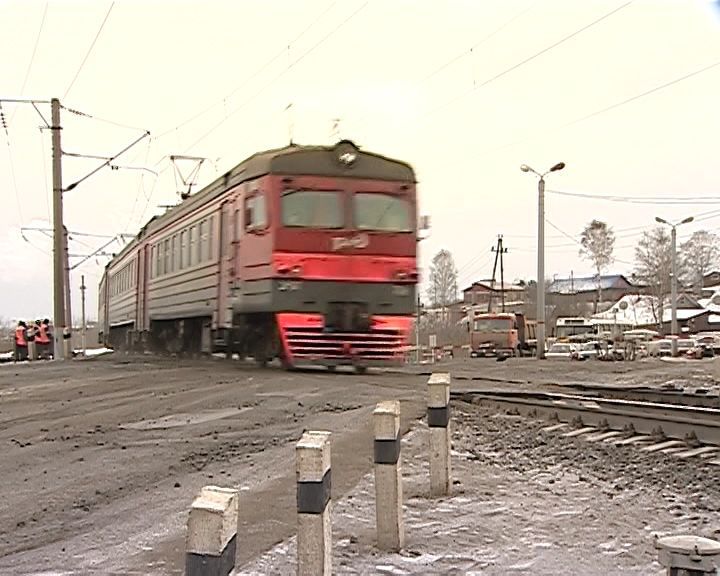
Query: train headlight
(346, 153)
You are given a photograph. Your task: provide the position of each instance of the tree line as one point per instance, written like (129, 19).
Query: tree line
(696, 257)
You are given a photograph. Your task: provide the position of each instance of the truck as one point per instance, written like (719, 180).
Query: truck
(501, 335)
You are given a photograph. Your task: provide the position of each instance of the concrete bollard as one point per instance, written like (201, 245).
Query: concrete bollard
(388, 476)
(689, 555)
(438, 416)
(314, 539)
(211, 534)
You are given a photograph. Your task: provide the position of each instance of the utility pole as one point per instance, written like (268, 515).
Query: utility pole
(58, 236)
(82, 300)
(68, 296)
(499, 251)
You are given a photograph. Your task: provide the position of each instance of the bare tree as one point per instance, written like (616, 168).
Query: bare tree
(598, 241)
(653, 266)
(700, 254)
(443, 280)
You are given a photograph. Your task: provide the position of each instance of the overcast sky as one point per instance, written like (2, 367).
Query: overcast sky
(624, 92)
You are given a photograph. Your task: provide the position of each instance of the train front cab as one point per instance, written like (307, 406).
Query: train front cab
(340, 269)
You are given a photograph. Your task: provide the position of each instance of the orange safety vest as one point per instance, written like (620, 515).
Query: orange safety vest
(42, 337)
(20, 336)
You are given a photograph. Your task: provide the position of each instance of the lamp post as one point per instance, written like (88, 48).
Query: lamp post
(541, 256)
(673, 280)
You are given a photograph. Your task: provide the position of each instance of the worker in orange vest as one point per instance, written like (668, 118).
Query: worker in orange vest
(51, 343)
(21, 342)
(42, 340)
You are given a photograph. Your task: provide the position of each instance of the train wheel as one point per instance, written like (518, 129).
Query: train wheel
(361, 370)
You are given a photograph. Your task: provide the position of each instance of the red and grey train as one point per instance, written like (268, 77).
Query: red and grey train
(304, 253)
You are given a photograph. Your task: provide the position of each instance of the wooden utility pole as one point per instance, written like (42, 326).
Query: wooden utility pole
(58, 236)
(499, 251)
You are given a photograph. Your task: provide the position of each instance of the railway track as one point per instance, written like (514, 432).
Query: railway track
(621, 420)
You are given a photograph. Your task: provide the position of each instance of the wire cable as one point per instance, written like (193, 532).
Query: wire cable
(32, 58)
(255, 74)
(277, 77)
(526, 60)
(656, 200)
(87, 55)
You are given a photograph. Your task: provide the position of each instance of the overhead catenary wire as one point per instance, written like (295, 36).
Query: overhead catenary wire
(522, 62)
(280, 75)
(90, 49)
(34, 52)
(246, 81)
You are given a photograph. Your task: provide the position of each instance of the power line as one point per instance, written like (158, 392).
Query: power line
(45, 175)
(3, 121)
(87, 55)
(526, 60)
(277, 77)
(253, 76)
(32, 58)
(476, 45)
(647, 92)
(105, 120)
(656, 200)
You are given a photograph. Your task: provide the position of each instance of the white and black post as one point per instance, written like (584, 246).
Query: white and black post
(388, 476)
(438, 417)
(314, 539)
(212, 533)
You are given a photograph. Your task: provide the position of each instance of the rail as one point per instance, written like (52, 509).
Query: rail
(695, 423)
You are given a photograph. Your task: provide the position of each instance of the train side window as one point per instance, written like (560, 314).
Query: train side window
(202, 248)
(211, 250)
(168, 256)
(192, 257)
(183, 250)
(255, 212)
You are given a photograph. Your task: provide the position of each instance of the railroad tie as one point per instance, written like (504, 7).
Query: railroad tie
(698, 452)
(554, 427)
(633, 440)
(579, 431)
(603, 436)
(662, 445)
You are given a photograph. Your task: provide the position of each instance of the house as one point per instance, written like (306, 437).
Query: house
(585, 289)
(643, 311)
(484, 291)
(711, 279)
(579, 296)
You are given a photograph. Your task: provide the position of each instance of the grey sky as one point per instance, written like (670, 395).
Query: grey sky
(452, 87)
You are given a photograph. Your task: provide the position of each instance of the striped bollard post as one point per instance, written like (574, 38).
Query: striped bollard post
(314, 539)
(388, 476)
(438, 416)
(212, 532)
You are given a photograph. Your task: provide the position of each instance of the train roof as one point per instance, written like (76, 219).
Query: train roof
(347, 161)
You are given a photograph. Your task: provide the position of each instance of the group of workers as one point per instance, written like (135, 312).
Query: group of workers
(33, 342)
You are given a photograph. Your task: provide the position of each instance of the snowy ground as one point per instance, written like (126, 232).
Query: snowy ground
(524, 502)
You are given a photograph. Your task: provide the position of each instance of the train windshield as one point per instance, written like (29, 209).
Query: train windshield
(381, 212)
(312, 209)
(492, 325)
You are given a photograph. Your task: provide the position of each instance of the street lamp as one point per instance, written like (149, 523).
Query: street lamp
(541, 256)
(673, 280)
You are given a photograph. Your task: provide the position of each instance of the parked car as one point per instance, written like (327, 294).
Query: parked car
(589, 350)
(663, 347)
(561, 351)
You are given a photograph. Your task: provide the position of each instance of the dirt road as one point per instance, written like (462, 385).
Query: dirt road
(101, 458)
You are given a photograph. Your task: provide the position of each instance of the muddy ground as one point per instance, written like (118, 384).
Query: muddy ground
(101, 458)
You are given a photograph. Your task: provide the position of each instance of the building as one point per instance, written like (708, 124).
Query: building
(712, 279)
(643, 311)
(482, 292)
